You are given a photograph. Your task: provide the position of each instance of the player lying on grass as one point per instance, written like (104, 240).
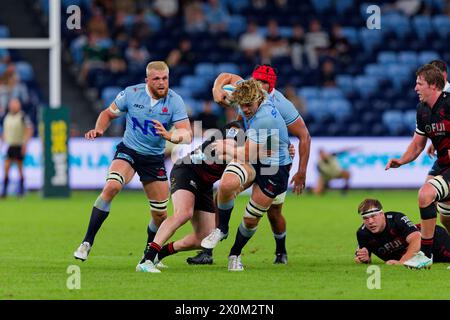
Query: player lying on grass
(267, 77)
(393, 238)
(192, 180)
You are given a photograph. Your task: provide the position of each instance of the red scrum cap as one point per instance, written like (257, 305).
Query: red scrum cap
(267, 74)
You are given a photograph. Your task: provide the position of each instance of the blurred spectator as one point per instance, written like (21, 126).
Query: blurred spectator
(275, 45)
(11, 88)
(116, 64)
(328, 74)
(95, 55)
(330, 169)
(316, 41)
(166, 9)
(251, 42)
(183, 55)
(207, 117)
(340, 47)
(194, 19)
(291, 94)
(141, 30)
(136, 55)
(297, 46)
(17, 131)
(97, 25)
(216, 15)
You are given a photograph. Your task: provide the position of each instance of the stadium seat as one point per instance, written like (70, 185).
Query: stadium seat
(409, 120)
(441, 24)
(4, 32)
(422, 26)
(237, 25)
(340, 109)
(387, 57)
(393, 120)
(427, 56)
(370, 39)
(321, 5)
(343, 5)
(227, 67)
(331, 93)
(350, 34)
(25, 71)
(407, 57)
(376, 71)
(206, 69)
(345, 83)
(109, 94)
(365, 85)
(309, 93)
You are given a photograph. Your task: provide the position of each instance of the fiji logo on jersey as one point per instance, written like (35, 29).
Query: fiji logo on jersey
(437, 129)
(147, 127)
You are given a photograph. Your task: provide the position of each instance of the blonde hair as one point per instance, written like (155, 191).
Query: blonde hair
(157, 65)
(248, 92)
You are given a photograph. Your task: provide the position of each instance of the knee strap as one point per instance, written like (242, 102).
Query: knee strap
(239, 170)
(253, 210)
(429, 212)
(444, 209)
(441, 186)
(117, 176)
(158, 206)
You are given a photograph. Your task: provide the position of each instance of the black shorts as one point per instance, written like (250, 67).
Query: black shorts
(274, 183)
(441, 245)
(183, 177)
(14, 153)
(149, 168)
(436, 170)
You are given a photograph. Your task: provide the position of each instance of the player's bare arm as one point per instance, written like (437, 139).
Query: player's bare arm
(222, 79)
(28, 135)
(413, 240)
(181, 135)
(416, 146)
(298, 129)
(103, 122)
(362, 256)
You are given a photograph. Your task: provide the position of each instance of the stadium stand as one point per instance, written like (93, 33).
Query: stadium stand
(369, 90)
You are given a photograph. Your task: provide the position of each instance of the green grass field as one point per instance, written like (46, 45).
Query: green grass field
(38, 238)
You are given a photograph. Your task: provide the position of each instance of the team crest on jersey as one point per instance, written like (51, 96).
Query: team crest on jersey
(164, 111)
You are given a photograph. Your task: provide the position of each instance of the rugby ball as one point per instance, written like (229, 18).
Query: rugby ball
(229, 89)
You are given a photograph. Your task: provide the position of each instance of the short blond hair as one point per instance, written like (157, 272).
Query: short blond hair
(248, 92)
(157, 65)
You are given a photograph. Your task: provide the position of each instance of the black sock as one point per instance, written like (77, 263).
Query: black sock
(5, 186)
(280, 240)
(97, 218)
(22, 187)
(224, 218)
(151, 253)
(426, 246)
(242, 236)
(167, 250)
(150, 235)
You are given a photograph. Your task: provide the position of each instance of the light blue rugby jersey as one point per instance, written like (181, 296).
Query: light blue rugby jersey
(283, 105)
(269, 118)
(140, 135)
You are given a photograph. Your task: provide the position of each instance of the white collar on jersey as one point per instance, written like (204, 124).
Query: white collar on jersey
(153, 101)
(447, 87)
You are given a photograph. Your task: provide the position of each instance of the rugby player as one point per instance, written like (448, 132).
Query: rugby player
(433, 112)
(192, 179)
(393, 238)
(230, 184)
(151, 110)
